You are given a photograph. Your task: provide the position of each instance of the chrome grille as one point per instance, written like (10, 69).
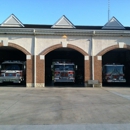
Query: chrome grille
(10, 74)
(64, 74)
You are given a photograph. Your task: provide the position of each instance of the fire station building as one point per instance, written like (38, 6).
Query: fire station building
(90, 47)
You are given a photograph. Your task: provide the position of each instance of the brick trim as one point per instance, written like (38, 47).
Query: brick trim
(127, 46)
(51, 48)
(1, 44)
(87, 70)
(77, 49)
(19, 48)
(40, 67)
(97, 69)
(107, 50)
(30, 70)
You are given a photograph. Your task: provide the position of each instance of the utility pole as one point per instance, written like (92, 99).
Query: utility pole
(108, 9)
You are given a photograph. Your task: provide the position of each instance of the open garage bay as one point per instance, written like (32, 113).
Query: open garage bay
(64, 54)
(118, 57)
(11, 54)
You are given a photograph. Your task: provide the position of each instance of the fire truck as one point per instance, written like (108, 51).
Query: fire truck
(113, 73)
(63, 71)
(12, 71)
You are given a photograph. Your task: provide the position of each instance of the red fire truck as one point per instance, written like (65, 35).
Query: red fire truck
(12, 71)
(113, 73)
(63, 71)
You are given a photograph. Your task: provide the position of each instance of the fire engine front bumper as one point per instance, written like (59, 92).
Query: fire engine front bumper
(11, 79)
(116, 81)
(64, 80)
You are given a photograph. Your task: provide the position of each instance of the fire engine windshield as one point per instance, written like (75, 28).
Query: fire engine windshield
(69, 67)
(64, 67)
(11, 67)
(114, 69)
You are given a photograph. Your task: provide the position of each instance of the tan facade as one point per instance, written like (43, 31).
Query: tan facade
(82, 46)
(36, 43)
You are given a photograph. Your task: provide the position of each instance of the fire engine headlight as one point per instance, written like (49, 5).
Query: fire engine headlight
(109, 77)
(70, 75)
(18, 74)
(2, 74)
(57, 75)
(121, 77)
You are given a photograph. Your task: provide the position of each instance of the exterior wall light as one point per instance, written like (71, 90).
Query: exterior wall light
(64, 36)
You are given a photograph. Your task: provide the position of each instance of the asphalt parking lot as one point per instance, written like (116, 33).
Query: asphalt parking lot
(88, 107)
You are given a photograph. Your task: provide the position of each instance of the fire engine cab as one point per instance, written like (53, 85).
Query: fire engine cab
(12, 71)
(113, 73)
(63, 71)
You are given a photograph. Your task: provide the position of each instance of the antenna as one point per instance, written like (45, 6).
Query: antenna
(108, 9)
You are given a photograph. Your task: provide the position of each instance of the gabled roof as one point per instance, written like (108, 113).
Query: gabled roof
(12, 21)
(113, 23)
(63, 22)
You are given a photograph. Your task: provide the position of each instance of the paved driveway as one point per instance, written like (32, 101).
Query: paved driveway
(65, 106)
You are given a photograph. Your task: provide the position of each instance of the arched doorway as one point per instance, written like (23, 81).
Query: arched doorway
(119, 57)
(72, 52)
(14, 52)
(62, 54)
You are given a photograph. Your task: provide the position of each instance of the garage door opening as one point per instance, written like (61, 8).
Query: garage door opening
(116, 68)
(12, 67)
(67, 55)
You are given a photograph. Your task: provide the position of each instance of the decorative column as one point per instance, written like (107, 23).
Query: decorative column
(87, 70)
(40, 73)
(29, 71)
(98, 70)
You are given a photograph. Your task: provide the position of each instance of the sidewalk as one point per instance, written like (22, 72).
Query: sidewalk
(64, 106)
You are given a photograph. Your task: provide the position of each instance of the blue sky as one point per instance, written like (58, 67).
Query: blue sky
(79, 12)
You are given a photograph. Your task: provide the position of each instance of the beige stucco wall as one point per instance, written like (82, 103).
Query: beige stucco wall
(24, 41)
(101, 43)
(43, 42)
(83, 42)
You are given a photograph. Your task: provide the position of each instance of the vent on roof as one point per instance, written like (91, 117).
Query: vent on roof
(63, 22)
(12, 21)
(113, 23)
